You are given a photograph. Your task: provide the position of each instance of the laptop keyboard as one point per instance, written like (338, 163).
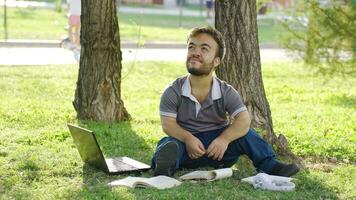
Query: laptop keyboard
(116, 164)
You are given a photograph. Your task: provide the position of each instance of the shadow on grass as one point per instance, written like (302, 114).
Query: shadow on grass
(15, 183)
(307, 184)
(343, 100)
(23, 13)
(120, 140)
(114, 140)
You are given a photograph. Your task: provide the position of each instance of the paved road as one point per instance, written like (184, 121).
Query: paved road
(42, 52)
(48, 56)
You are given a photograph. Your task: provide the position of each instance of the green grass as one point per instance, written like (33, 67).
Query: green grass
(156, 27)
(141, 5)
(319, 117)
(38, 159)
(31, 23)
(44, 24)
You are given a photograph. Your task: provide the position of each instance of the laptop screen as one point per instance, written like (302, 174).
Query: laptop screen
(88, 147)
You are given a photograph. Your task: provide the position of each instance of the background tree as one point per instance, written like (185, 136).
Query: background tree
(241, 67)
(98, 92)
(324, 35)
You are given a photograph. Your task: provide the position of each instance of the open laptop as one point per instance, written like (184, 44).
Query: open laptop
(90, 153)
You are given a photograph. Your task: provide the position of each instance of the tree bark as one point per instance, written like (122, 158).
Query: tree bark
(241, 67)
(98, 92)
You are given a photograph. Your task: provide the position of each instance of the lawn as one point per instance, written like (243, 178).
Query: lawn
(41, 24)
(38, 159)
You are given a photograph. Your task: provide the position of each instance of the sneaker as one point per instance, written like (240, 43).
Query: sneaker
(286, 170)
(166, 160)
(64, 43)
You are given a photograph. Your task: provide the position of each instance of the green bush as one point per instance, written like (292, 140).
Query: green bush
(323, 35)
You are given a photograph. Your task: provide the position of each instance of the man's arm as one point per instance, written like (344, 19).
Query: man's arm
(237, 129)
(194, 147)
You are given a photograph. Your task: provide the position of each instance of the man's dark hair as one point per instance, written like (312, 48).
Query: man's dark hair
(215, 34)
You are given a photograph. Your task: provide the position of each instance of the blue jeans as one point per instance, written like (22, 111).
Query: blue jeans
(252, 145)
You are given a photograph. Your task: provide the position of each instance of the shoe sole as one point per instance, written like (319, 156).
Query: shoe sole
(166, 158)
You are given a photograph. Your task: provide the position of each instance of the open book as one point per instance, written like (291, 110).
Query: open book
(208, 175)
(159, 182)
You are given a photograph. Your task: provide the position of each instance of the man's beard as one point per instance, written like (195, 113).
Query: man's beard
(203, 71)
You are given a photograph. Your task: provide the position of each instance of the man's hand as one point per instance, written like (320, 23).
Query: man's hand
(217, 148)
(195, 149)
(236, 130)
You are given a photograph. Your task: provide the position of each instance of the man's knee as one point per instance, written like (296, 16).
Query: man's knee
(251, 135)
(165, 140)
(168, 139)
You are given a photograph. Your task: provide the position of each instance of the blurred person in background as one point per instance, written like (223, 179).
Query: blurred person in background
(209, 6)
(72, 41)
(74, 22)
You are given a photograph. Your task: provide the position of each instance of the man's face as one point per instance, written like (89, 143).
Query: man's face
(201, 57)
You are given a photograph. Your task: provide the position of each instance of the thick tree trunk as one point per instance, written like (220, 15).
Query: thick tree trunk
(98, 93)
(241, 67)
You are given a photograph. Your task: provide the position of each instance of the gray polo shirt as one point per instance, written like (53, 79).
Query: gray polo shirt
(178, 102)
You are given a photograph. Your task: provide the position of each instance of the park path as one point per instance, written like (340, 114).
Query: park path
(16, 56)
(36, 52)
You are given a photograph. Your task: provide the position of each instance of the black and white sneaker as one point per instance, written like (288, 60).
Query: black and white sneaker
(166, 160)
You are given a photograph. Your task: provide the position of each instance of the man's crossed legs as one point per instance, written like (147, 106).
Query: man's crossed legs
(171, 155)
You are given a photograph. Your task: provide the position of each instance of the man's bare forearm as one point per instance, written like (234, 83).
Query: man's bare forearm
(173, 129)
(238, 128)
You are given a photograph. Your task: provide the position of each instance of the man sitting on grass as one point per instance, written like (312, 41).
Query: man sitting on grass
(193, 114)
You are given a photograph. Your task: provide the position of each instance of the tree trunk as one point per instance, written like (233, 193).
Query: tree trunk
(98, 93)
(241, 67)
